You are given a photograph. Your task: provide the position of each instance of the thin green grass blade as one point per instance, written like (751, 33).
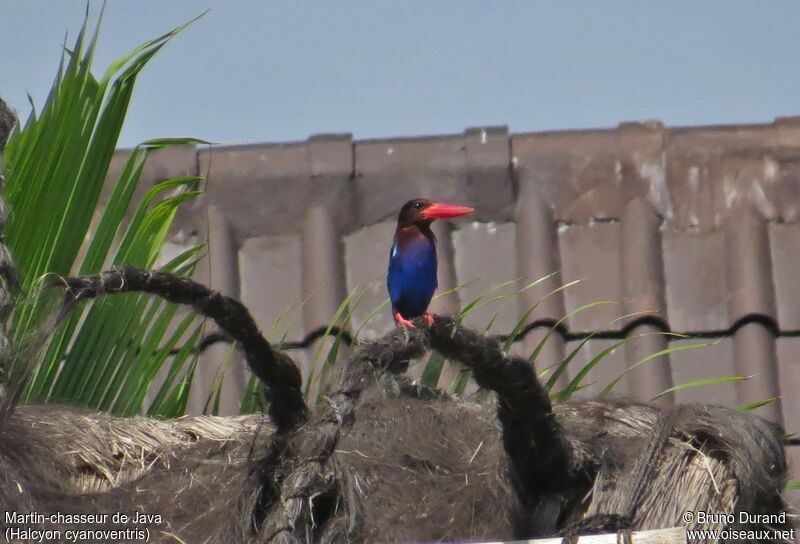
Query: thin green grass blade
(459, 384)
(699, 383)
(254, 398)
(333, 352)
(535, 354)
(377, 309)
(465, 311)
(342, 310)
(284, 322)
(160, 143)
(481, 300)
(666, 351)
(495, 298)
(455, 289)
(750, 406)
(432, 370)
(512, 297)
(524, 319)
(562, 366)
(576, 382)
(211, 407)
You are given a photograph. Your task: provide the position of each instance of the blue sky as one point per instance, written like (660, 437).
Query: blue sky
(276, 71)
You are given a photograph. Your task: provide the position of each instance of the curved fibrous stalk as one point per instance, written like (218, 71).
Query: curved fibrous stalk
(572, 468)
(276, 370)
(538, 454)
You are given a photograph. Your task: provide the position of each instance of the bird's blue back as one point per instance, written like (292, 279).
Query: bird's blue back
(412, 274)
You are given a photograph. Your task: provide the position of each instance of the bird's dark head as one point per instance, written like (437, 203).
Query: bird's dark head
(420, 211)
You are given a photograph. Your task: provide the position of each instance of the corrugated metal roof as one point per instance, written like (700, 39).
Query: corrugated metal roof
(699, 225)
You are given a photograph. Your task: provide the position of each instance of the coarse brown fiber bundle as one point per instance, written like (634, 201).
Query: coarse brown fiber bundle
(385, 459)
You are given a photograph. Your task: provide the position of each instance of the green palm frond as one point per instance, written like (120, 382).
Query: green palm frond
(107, 354)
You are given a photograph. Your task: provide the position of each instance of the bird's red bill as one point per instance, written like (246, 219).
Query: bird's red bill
(444, 211)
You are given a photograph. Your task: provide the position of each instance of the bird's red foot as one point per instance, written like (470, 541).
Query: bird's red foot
(403, 321)
(428, 318)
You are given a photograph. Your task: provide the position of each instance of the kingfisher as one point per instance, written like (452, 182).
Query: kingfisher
(412, 261)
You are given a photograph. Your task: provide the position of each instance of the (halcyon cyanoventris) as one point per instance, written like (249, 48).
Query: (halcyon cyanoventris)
(412, 261)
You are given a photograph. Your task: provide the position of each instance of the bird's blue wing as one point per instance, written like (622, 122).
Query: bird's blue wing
(412, 277)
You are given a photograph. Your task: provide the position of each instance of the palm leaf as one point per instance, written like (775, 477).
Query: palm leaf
(108, 354)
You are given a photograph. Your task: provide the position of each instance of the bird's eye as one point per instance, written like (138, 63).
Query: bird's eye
(418, 205)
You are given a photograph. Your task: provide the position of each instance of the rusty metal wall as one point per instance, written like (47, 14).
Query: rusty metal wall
(698, 226)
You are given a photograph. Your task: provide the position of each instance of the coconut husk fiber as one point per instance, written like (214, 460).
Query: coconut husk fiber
(385, 459)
